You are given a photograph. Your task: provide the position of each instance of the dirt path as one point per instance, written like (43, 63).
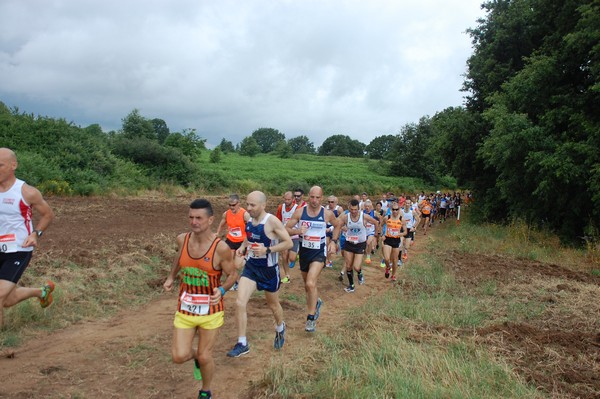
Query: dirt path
(128, 356)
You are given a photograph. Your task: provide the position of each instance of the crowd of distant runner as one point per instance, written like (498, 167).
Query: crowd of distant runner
(251, 250)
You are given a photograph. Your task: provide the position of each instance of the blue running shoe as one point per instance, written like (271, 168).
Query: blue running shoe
(238, 350)
(279, 338)
(318, 310)
(292, 264)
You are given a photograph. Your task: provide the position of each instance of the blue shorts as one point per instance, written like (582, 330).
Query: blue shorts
(266, 278)
(13, 264)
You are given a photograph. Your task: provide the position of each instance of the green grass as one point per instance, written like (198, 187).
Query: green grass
(273, 175)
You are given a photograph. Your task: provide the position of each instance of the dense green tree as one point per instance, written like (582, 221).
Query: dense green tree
(136, 126)
(342, 145)
(267, 138)
(187, 142)
(410, 152)
(226, 146)
(249, 147)
(380, 146)
(160, 129)
(216, 155)
(283, 149)
(301, 145)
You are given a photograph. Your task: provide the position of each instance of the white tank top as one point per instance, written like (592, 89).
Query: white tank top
(15, 219)
(357, 231)
(287, 215)
(408, 217)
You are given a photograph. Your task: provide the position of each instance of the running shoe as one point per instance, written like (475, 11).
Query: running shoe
(318, 308)
(310, 326)
(393, 278)
(341, 276)
(197, 373)
(279, 338)
(404, 256)
(292, 264)
(361, 279)
(285, 280)
(400, 263)
(204, 395)
(329, 264)
(387, 272)
(46, 299)
(382, 264)
(349, 289)
(238, 350)
(368, 260)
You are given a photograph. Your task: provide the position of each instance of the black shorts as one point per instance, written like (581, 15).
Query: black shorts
(426, 216)
(233, 245)
(393, 242)
(355, 248)
(410, 234)
(308, 256)
(443, 211)
(12, 265)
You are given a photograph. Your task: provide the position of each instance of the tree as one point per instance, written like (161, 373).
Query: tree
(410, 152)
(136, 126)
(342, 145)
(160, 129)
(249, 147)
(283, 149)
(301, 145)
(380, 146)
(215, 155)
(267, 138)
(187, 142)
(226, 146)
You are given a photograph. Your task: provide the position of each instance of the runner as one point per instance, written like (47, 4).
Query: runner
(234, 219)
(18, 239)
(287, 259)
(409, 219)
(355, 225)
(313, 225)
(265, 236)
(393, 237)
(332, 205)
(201, 259)
(371, 230)
(426, 209)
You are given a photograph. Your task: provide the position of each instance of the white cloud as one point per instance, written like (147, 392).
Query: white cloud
(226, 68)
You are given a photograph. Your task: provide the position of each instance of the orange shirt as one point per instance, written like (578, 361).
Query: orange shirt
(236, 225)
(426, 207)
(393, 228)
(198, 279)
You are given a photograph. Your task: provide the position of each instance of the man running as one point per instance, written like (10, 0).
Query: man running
(234, 219)
(202, 258)
(287, 259)
(372, 229)
(332, 205)
(313, 220)
(426, 209)
(18, 238)
(355, 224)
(265, 237)
(409, 219)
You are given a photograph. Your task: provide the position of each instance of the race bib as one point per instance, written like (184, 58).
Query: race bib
(8, 243)
(353, 239)
(394, 232)
(311, 242)
(252, 254)
(198, 304)
(235, 232)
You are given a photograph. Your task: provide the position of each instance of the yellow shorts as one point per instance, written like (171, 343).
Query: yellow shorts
(208, 322)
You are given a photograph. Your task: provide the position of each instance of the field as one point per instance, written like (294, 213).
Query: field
(473, 315)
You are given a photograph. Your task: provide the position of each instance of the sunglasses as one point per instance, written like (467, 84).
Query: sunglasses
(298, 196)
(395, 209)
(331, 202)
(232, 205)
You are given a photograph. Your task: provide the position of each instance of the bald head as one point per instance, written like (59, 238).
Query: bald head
(257, 197)
(316, 190)
(8, 155)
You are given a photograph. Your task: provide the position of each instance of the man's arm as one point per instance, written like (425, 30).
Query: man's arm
(275, 227)
(222, 224)
(226, 264)
(289, 226)
(168, 284)
(34, 198)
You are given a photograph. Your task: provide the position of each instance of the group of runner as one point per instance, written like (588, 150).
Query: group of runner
(256, 251)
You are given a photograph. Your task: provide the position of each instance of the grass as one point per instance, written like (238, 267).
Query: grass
(273, 175)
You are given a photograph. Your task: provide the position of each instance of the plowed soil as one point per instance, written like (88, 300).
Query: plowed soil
(128, 355)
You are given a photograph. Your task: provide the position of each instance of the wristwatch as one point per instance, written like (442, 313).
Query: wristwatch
(268, 250)
(38, 232)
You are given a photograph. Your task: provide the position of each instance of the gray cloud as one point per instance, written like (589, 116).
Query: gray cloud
(226, 68)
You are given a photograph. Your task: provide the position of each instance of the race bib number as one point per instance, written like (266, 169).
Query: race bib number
(353, 239)
(235, 232)
(252, 254)
(8, 243)
(311, 242)
(395, 232)
(198, 304)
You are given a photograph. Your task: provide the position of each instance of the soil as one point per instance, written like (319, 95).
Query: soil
(128, 355)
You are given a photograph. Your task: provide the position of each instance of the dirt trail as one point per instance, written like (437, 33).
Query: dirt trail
(128, 356)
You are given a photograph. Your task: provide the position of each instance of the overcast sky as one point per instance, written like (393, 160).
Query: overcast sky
(227, 68)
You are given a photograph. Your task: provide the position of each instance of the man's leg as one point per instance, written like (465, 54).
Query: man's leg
(273, 302)
(10, 295)
(310, 286)
(181, 349)
(245, 289)
(204, 355)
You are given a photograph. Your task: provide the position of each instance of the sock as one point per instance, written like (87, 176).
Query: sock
(279, 328)
(243, 341)
(351, 278)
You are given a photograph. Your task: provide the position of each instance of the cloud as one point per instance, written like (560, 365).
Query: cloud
(227, 68)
